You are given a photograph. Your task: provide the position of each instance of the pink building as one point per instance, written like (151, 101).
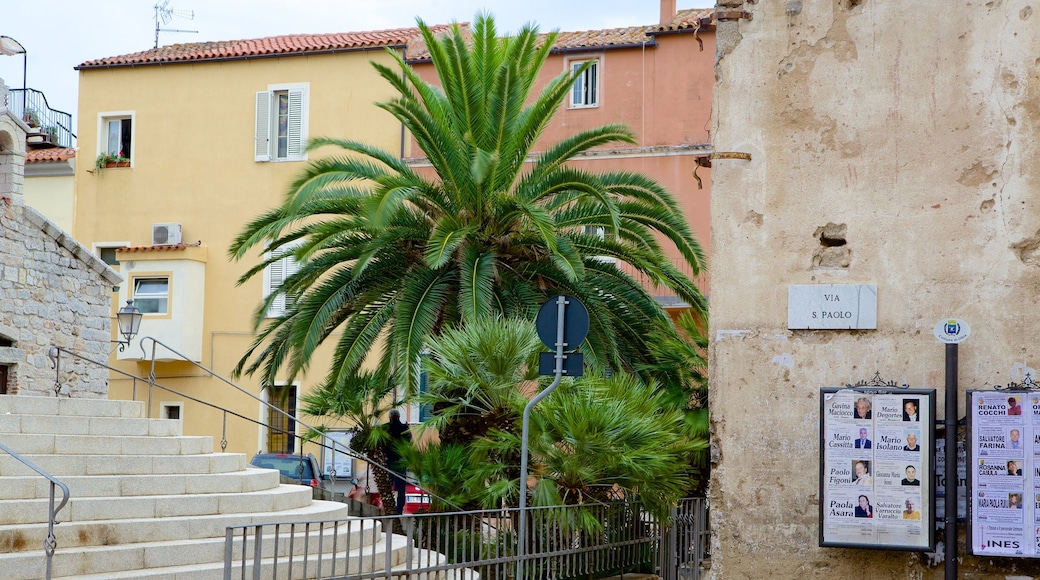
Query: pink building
(656, 79)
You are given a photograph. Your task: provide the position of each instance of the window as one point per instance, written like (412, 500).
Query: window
(585, 92)
(600, 232)
(107, 252)
(281, 428)
(419, 413)
(152, 295)
(116, 134)
(281, 123)
(171, 410)
(274, 275)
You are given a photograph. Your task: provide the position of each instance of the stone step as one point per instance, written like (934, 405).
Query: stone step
(202, 559)
(34, 443)
(84, 425)
(83, 509)
(68, 465)
(82, 486)
(74, 535)
(29, 405)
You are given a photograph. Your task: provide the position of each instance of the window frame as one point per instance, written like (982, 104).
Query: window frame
(104, 118)
(168, 278)
(596, 70)
(601, 233)
(266, 123)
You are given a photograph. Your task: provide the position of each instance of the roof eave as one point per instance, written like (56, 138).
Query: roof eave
(243, 57)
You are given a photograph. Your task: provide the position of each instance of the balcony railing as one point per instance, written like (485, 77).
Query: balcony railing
(31, 106)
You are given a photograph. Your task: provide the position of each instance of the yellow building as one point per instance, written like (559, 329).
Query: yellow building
(200, 139)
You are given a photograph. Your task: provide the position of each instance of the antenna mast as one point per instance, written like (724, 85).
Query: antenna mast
(165, 14)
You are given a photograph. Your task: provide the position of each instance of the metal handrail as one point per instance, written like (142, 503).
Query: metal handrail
(336, 447)
(35, 104)
(50, 542)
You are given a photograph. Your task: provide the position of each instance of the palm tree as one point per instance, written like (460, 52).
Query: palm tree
(387, 253)
(360, 402)
(592, 437)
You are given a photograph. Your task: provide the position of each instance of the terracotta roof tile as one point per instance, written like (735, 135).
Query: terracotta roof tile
(259, 47)
(53, 154)
(172, 248)
(689, 19)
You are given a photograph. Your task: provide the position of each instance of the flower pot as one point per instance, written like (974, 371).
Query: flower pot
(117, 164)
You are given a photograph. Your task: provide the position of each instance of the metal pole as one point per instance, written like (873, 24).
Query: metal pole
(561, 304)
(950, 518)
(25, 87)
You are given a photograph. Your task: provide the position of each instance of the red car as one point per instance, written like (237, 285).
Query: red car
(415, 499)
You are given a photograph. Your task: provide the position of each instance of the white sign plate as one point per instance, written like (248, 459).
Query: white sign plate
(832, 306)
(952, 330)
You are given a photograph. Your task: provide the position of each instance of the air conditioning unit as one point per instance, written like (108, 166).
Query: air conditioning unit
(166, 234)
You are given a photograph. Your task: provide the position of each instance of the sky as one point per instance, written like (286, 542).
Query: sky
(60, 34)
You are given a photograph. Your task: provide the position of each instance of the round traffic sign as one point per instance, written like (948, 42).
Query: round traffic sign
(575, 322)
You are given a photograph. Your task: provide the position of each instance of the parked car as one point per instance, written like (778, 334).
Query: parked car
(415, 499)
(301, 469)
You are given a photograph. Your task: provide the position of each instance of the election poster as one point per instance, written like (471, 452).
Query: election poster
(1004, 474)
(877, 471)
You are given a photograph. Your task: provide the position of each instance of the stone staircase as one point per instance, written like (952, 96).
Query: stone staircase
(146, 501)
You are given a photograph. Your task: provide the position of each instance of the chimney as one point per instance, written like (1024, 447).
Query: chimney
(667, 12)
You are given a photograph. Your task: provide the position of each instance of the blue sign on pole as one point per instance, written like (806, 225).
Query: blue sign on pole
(575, 323)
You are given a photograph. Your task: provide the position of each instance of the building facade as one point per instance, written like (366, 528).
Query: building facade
(53, 291)
(186, 144)
(886, 148)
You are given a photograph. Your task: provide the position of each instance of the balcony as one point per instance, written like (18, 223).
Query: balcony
(47, 127)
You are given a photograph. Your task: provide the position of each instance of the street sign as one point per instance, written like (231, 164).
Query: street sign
(575, 323)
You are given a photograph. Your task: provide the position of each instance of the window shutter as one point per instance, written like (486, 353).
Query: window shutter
(274, 275)
(576, 92)
(295, 129)
(263, 126)
(591, 98)
(426, 409)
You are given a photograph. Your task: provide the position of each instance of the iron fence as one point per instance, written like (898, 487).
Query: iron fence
(31, 106)
(589, 541)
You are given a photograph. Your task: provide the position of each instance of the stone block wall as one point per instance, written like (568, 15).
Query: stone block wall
(53, 291)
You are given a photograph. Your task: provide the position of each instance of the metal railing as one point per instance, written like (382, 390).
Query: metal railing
(56, 353)
(586, 541)
(686, 548)
(50, 543)
(31, 106)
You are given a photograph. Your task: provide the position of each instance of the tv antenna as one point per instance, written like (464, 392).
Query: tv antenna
(164, 13)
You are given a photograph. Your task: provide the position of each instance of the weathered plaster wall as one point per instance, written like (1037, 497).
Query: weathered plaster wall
(915, 131)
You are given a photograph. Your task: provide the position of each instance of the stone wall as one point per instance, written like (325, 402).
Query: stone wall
(892, 144)
(53, 291)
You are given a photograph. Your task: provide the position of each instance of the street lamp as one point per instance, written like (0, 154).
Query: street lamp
(11, 47)
(129, 320)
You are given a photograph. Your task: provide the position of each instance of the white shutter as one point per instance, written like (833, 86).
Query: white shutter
(295, 134)
(263, 126)
(577, 96)
(274, 275)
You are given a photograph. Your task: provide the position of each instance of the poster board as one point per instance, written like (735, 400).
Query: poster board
(344, 464)
(1004, 431)
(877, 471)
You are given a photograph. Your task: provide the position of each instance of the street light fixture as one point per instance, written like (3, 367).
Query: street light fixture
(11, 47)
(129, 320)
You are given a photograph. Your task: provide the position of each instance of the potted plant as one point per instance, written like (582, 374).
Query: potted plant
(32, 119)
(105, 160)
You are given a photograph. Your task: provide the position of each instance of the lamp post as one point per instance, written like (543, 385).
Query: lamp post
(11, 47)
(129, 320)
